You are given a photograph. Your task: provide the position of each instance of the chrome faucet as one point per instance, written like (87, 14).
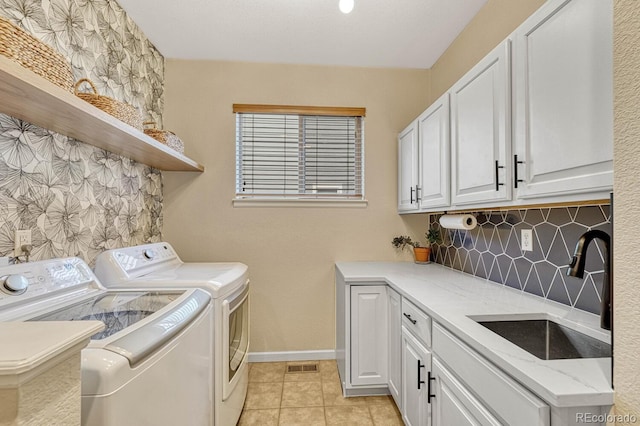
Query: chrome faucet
(576, 269)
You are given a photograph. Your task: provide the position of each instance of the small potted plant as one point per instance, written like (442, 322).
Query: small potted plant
(421, 254)
(433, 237)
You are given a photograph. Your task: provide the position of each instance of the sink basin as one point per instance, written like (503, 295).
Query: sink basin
(546, 339)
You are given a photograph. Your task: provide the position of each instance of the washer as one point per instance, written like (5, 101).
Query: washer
(149, 366)
(158, 265)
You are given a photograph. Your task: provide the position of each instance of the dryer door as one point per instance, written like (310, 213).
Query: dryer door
(236, 338)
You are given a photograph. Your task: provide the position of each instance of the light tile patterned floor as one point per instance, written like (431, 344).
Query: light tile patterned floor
(310, 398)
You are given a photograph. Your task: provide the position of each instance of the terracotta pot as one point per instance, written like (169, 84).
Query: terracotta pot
(421, 254)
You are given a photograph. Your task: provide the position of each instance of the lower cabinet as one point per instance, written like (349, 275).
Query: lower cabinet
(394, 347)
(416, 373)
(369, 335)
(385, 344)
(479, 384)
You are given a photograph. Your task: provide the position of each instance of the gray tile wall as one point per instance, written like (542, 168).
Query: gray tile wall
(493, 251)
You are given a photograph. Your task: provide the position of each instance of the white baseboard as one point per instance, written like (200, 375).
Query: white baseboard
(292, 356)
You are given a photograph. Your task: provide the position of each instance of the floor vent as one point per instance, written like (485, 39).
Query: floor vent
(302, 368)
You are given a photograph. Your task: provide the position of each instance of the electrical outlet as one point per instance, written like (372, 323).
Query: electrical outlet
(23, 236)
(526, 237)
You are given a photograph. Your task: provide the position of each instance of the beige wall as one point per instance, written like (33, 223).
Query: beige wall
(290, 251)
(627, 200)
(493, 23)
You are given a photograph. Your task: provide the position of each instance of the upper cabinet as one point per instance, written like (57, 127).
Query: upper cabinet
(408, 168)
(563, 99)
(532, 122)
(433, 151)
(27, 96)
(480, 131)
(423, 160)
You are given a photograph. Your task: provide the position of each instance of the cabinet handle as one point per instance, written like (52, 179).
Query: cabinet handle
(412, 194)
(409, 318)
(515, 171)
(429, 394)
(417, 197)
(498, 183)
(420, 381)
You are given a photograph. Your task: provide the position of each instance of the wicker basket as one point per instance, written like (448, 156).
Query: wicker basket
(119, 110)
(164, 136)
(21, 47)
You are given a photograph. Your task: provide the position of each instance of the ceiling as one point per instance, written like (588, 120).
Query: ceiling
(378, 33)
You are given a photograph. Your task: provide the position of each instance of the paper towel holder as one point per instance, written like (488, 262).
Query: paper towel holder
(458, 221)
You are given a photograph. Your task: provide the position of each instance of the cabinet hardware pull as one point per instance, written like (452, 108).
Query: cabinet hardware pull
(420, 381)
(412, 194)
(515, 171)
(429, 394)
(409, 318)
(417, 197)
(498, 183)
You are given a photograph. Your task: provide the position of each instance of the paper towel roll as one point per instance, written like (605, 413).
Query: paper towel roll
(458, 221)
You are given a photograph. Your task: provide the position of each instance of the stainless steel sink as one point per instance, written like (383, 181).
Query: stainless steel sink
(547, 339)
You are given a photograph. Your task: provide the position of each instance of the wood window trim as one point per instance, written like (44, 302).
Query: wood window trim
(300, 110)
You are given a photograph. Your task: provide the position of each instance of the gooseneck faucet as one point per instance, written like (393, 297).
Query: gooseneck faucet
(576, 269)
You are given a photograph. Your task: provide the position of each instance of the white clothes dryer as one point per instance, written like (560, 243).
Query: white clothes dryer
(159, 266)
(149, 366)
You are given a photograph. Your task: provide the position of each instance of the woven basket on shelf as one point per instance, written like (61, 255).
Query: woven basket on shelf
(120, 110)
(21, 47)
(164, 136)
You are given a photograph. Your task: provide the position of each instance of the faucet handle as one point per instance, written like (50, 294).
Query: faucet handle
(573, 262)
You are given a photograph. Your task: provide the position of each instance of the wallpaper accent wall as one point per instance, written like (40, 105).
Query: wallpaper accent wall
(493, 251)
(79, 200)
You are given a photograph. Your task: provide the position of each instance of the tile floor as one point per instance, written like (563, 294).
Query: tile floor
(310, 398)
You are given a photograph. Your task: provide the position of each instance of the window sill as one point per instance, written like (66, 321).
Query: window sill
(311, 202)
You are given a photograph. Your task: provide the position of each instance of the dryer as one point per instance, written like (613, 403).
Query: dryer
(158, 265)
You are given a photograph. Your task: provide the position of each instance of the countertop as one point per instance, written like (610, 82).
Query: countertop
(450, 297)
(28, 346)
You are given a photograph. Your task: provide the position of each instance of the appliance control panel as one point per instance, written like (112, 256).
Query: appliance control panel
(33, 279)
(132, 258)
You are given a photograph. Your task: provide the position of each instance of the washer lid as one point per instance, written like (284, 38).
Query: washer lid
(121, 310)
(117, 310)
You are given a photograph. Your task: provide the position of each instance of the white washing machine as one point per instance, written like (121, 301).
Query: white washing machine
(149, 366)
(159, 266)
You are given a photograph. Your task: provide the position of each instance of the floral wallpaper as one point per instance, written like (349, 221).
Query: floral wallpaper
(79, 200)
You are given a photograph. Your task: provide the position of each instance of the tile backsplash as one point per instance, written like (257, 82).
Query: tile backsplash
(79, 200)
(492, 250)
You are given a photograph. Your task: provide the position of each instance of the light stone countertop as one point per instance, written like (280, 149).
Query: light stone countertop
(451, 296)
(28, 347)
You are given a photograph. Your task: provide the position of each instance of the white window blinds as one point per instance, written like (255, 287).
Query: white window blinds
(299, 152)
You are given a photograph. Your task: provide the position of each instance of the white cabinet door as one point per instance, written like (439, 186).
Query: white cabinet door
(433, 149)
(416, 367)
(395, 346)
(454, 404)
(408, 168)
(481, 131)
(369, 335)
(563, 99)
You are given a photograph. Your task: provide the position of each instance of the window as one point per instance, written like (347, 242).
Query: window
(299, 153)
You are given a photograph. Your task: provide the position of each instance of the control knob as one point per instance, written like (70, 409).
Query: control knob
(14, 284)
(149, 254)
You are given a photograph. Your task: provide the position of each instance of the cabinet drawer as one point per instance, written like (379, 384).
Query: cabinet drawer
(416, 321)
(456, 406)
(507, 399)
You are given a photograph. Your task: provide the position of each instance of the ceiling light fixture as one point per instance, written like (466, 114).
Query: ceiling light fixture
(346, 6)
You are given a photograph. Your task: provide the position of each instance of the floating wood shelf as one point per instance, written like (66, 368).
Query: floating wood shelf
(29, 97)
